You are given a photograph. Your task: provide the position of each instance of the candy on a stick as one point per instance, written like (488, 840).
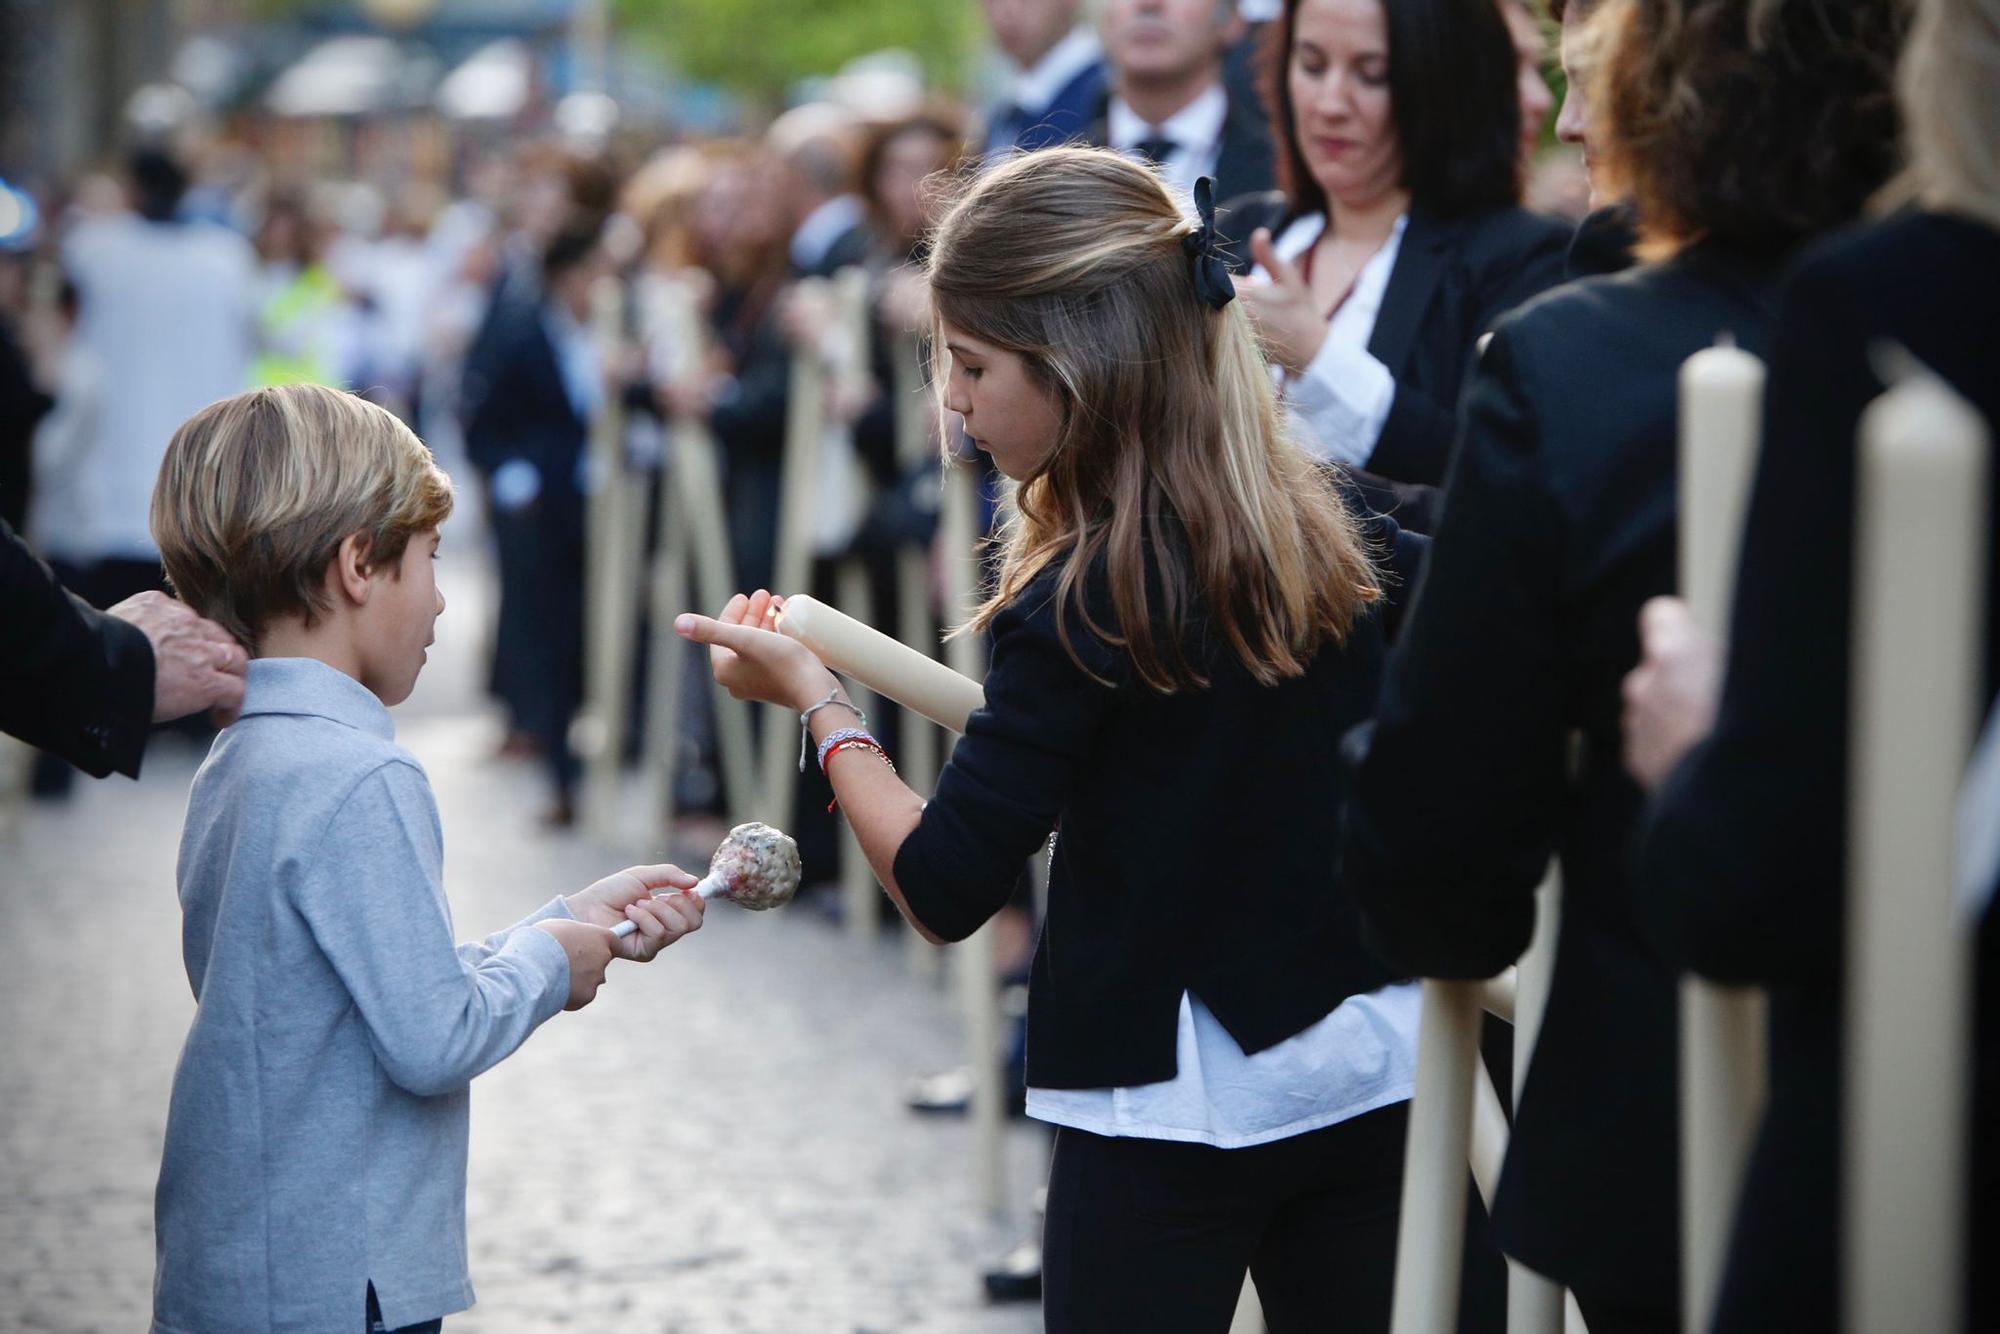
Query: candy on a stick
(757, 867)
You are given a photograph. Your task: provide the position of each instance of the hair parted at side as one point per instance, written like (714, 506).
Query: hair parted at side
(1754, 123)
(257, 492)
(1171, 473)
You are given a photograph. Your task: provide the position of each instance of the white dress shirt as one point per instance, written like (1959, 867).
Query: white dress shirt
(1196, 132)
(1341, 400)
(169, 310)
(1032, 90)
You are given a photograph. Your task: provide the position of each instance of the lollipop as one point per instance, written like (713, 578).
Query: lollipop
(757, 867)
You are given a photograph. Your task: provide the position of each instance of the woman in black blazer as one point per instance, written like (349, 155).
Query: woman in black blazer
(1185, 622)
(1398, 240)
(1743, 864)
(1559, 523)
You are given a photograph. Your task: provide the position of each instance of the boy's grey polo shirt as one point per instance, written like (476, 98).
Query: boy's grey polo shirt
(316, 1139)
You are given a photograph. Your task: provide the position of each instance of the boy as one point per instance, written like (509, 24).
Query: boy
(314, 1170)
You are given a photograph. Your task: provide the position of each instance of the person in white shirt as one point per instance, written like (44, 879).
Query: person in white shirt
(1169, 104)
(169, 310)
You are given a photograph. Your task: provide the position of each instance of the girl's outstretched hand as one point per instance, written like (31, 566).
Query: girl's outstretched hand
(751, 660)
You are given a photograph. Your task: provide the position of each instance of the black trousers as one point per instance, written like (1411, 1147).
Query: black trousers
(1152, 1235)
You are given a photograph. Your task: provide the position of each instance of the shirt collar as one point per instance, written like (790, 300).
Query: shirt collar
(1034, 89)
(310, 687)
(822, 227)
(1196, 127)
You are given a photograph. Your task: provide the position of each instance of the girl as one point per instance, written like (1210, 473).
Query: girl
(1185, 622)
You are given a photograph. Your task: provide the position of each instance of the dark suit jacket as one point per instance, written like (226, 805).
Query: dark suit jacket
(847, 250)
(1559, 521)
(1453, 280)
(72, 680)
(1063, 120)
(1246, 160)
(1153, 793)
(1744, 862)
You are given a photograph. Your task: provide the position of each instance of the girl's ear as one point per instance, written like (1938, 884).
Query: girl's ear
(351, 568)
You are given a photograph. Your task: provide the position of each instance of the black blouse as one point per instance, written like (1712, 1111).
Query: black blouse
(1195, 851)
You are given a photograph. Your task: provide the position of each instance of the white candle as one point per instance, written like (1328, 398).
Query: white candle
(886, 666)
(1721, 412)
(1919, 585)
(1431, 1230)
(1722, 1028)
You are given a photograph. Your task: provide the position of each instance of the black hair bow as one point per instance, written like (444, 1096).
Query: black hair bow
(1204, 249)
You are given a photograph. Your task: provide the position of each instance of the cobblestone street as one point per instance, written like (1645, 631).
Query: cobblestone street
(718, 1143)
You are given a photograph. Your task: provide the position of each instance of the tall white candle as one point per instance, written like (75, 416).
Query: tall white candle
(1431, 1230)
(886, 666)
(1722, 1028)
(1721, 411)
(1919, 585)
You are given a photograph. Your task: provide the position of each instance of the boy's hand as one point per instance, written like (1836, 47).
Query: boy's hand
(628, 895)
(590, 951)
(603, 904)
(661, 921)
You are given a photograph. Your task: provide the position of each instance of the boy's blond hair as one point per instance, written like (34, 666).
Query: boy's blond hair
(257, 492)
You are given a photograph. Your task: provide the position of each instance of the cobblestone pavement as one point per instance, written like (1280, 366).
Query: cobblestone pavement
(716, 1144)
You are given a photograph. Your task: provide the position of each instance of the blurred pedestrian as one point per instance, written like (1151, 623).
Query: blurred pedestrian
(529, 410)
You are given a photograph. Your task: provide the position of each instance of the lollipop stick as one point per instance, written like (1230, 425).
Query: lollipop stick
(707, 888)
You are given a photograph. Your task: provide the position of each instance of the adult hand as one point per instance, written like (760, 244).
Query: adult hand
(1670, 697)
(1288, 320)
(627, 895)
(196, 663)
(752, 660)
(589, 949)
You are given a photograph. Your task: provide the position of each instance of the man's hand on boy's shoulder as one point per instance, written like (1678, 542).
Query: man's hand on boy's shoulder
(628, 895)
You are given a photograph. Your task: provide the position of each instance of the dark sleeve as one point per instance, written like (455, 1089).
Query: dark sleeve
(1457, 797)
(1742, 856)
(1416, 440)
(752, 421)
(1009, 776)
(74, 681)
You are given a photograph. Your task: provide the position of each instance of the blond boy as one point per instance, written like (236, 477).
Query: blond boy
(314, 1170)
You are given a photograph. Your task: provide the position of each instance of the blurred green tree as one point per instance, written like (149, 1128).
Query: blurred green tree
(760, 48)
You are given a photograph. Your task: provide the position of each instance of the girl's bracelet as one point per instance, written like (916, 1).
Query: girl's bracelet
(835, 698)
(850, 739)
(844, 735)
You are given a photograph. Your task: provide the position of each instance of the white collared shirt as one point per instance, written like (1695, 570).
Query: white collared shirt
(1341, 400)
(1360, 1057)
(1196, 131)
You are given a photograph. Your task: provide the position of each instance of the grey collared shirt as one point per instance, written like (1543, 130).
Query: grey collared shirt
(316, 1139)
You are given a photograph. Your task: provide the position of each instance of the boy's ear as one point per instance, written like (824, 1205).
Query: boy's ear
(350, 569)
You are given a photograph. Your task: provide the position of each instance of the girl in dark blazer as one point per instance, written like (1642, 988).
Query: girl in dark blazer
(1398, 240)
(1559, 523)
(1743, 864)
(1185, 622)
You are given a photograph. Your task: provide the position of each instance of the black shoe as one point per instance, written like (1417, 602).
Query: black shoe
(1018, 1276)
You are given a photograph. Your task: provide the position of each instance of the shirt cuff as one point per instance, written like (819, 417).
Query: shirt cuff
(1343, 399)
(544, 957)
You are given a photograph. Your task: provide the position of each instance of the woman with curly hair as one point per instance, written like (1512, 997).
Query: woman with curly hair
(1747, 887)
(1739, 129)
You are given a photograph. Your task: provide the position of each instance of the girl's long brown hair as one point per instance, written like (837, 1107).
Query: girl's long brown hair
(1170, 469)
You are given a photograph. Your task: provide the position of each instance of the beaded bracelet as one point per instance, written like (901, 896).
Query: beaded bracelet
(850, 738)
(833, 697)
(840, 735)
